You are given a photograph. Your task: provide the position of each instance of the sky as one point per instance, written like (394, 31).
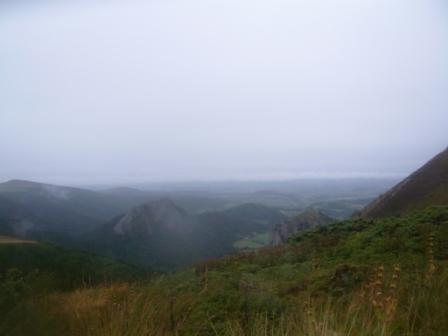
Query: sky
(175, 90)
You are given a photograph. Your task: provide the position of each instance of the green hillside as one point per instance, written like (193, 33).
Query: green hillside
(30, 270)
(426, 186)
(69, 268)
(356, 277)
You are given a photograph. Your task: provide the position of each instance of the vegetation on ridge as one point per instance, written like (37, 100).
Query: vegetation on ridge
(428, 186)
(357, 277)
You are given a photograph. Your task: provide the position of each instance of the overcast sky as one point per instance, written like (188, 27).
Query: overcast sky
(103, 91)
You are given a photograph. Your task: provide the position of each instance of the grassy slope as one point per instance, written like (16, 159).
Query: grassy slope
(325, 282)
(426, 186)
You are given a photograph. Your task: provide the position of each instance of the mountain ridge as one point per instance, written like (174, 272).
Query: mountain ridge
(428, 185)
(164, 236)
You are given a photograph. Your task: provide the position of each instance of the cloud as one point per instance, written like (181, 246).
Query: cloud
(221, 89)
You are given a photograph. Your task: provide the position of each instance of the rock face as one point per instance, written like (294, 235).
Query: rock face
(308, 219)
(427, 186)
(151, 217)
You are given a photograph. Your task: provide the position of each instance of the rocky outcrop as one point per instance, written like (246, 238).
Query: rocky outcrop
(308, 219)
(149, 217)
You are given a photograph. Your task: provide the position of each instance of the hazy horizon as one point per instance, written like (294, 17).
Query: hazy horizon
(119, 93)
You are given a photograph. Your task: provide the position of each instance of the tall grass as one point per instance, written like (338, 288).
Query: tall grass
(420, 308)
(354, 279)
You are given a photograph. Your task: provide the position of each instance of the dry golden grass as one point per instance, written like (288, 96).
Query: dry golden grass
(431, 265)
(121, 309)
(378, 308)
(12, 240)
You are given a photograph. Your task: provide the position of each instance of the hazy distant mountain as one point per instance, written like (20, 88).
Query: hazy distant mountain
(148, 220)
(193, 226)
(31, 209)
(427, 186)
(192, 201)
(299, 194)
(164, 236)
(15, 219)
(264, 215)
(308, 219)
(44, 211)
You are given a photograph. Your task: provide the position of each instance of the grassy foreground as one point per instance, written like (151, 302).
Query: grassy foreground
(358, 277)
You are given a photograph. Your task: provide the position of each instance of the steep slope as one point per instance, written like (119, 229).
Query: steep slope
(427, 186)
(164, 236)
(148, 219)
(308, 219)
(154, 233)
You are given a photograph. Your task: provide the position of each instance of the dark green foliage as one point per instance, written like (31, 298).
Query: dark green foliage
(69, 268)
(30, 271)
